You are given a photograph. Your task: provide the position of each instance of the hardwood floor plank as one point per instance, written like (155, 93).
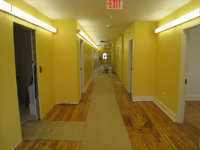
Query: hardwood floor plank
(192, 114)
(49, 145)
(150, 128)
(147, 126)
(66, 112)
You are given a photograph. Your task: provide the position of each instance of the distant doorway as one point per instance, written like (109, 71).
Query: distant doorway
(118, 61)
(82, 66)
(130, 67)
(26, 73)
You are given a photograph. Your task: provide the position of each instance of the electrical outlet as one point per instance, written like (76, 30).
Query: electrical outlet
(163, 93)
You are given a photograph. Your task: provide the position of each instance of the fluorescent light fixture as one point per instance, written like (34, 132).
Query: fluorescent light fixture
(187, 17)
(5, 6)
(23, 15)
(162, 28)
(48, 27)
(192, 15)
(86, 37)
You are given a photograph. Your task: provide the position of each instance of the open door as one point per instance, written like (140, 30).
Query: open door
(26, 73)
(189, 88)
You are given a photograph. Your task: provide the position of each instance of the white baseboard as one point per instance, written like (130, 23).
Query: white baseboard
(17, 145)
(144, 98)
(88, 84)
(192, 97)
(165, 109)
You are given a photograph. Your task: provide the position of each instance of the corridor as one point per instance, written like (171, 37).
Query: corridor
(140, 125)
(50, 53)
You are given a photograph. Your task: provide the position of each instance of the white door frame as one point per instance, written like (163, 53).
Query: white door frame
(82, 90)
(183, 72)
(130, 66)
(118, 61)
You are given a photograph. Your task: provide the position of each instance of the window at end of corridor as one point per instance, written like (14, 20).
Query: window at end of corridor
(104, 55)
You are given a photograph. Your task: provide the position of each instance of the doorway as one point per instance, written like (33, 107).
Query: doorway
(26, 73)
(82, 67)
(130, 67)
(186, 33)
(118, 61)
(189, 94)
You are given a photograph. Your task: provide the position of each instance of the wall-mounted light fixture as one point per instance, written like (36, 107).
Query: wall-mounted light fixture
(162, 28)
(81, 33)
(192, 15)
(4, 6)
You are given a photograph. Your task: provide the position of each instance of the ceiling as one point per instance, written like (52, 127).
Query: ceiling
(94, 17)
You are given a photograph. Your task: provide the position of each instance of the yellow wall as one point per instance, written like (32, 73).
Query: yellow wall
(129, 34)
(10, 129)
(95, 59)
(114, 56)
(144, 49)
(101, 50)
(87, 62)
(144, 59)
(90, 59)
(168, 57)
(119, 43)
(66, 62)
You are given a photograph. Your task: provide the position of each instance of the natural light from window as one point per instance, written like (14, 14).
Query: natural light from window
(104, 55)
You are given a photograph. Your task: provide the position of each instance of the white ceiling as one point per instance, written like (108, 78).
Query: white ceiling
(94, 17)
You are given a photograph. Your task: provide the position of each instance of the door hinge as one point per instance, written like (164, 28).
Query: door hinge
(185, 81)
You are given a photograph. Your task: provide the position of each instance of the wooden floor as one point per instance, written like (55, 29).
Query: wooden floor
(147, 126)
(192, 114)
(62, 113)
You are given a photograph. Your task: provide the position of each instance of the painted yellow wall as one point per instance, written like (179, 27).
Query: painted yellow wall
(87, 62)
(89, 57)
(114, 56)
(101, 50)
(169, 55)
(96, 59)
(45, 56)
(10, 128)
(144, 59)
(129, 34)
(119, 43)
(66, 62)
(144, 50)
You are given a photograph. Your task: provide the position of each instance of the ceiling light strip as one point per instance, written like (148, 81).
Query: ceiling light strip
(192, 15)
(80, 32)
(4, 6)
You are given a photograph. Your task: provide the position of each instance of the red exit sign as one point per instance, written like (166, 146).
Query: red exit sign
(114, 4)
